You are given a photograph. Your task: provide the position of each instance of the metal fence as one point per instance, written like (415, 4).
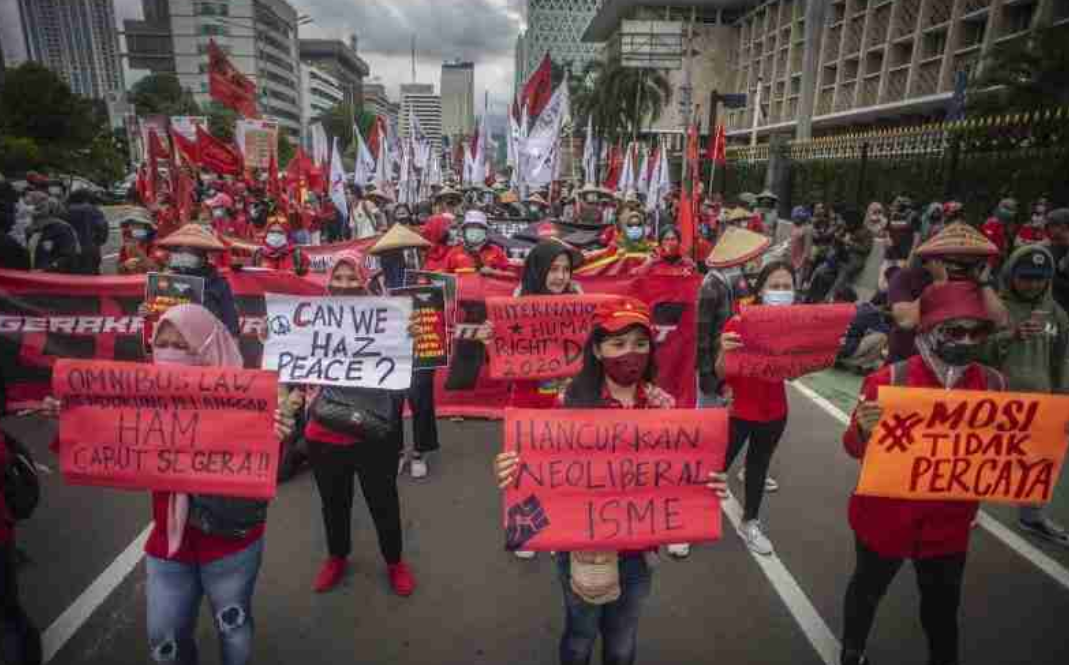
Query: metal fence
(976, 161)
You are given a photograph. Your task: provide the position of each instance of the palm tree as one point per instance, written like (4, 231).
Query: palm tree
(620, 99)
(1024, 75)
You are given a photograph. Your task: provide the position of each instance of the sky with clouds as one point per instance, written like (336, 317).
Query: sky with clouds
(482, 31)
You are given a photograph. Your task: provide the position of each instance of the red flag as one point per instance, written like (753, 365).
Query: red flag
(228, 86)
(217, 156)
(717, 151)
(185, 148)
(274, 188)
(374, 137)
(184, 197)
(539, 88)
(156, 151)
(616, 163)
(685, 222)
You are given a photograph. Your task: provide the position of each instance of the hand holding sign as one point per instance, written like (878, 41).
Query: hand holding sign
(786, 342)
(966, 445)
(361, 342)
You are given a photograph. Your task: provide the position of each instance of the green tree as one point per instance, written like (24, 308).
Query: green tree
(221, 121)
(1023, 75)
(37, 104)
(337, 121)
(621, 100)
(286, 150)
(162, 94)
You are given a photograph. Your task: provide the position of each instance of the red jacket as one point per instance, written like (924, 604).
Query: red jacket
(436, 232)
(197, 547)
(1029, 235)
(995, 231)
(287, 258)
(460, 260)
(908, 528)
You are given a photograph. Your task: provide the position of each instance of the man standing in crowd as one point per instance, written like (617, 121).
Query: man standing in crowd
(1058, 244)
(89, 223)
(1033, 351)
(959, 253)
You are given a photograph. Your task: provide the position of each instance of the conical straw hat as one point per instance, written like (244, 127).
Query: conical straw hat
(736, 247)
(957, 239)
(195, 236)
(738, 214)
(398, 237)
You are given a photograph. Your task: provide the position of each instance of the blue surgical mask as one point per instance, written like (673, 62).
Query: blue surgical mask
(775, 297)
(636, 233)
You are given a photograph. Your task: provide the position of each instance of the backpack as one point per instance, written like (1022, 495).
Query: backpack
(22, 485)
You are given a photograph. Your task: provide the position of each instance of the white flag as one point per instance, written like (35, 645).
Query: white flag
(364, 169)
(337, 183)
(320, 145)
(642, 181)
(627, 175)
(654, 180)
(590, 157)
(421, 146)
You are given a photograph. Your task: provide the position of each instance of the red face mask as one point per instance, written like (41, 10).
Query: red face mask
(626, 370)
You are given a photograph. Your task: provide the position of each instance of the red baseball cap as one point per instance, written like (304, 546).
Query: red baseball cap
(620, 313)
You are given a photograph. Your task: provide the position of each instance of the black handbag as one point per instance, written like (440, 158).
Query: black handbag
(227, 516)
(364, 413)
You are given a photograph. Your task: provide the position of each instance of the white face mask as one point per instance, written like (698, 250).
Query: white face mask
(219, 213)
(138, 234)
(775, 297)
(475, 236)
(275, 240)
(184, 261)
(636, 233)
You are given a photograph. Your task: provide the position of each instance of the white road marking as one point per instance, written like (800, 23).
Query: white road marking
(798, 604)
(75, 616)
(1007, 536)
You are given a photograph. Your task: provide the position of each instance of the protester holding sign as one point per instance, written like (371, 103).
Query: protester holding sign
(758, 408)
(954, 324)
(1033, 353)
(190, 247)
(668, 258)
(604, 592)
(372, 453)
(200, 544)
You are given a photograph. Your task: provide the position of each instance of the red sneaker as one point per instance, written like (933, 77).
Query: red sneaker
(401, 579)
(330, 574)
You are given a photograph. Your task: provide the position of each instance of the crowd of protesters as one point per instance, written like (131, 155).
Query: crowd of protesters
(959, 303)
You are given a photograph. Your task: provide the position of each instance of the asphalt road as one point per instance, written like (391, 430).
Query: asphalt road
(478, 604)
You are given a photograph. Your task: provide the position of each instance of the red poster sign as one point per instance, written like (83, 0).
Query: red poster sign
(135, 426)
(539, 337)
(785, 342)
(613, 479)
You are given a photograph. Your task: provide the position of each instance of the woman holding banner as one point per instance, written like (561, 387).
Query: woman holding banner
(547, 271)
(954, 328)
(337, 457)
(200, 544)
(758, 408)
(604, 592)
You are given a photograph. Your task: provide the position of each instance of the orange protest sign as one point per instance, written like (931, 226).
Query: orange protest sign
(612, 479)
(176, 428)
(966, 445)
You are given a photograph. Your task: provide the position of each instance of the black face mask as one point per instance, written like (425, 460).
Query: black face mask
(957, 354)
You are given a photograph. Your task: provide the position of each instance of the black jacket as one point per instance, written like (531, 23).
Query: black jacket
(13, 256)
(54, 245)
(868, 319)
(92, 228)
(219, 300)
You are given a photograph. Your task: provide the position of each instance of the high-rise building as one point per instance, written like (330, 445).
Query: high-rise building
(339, 59)
(458, 99)
(854, 62)
(320, 92)
(258, 36)
(556, 27)
(78, 40)
(419, 98)
(377, 102)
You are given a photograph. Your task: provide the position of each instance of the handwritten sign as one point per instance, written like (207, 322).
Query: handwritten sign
(170, 428)
(343, 341)
(966, 445)
(448, 284)
(609, 479)
(429, 314)
(786, 342)
(539, 337)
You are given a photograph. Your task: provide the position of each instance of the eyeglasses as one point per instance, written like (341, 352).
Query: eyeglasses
(959, 333)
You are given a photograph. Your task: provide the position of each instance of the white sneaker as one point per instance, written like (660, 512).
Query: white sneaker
(679, 550)
(401, 461)
(524, 554)
(418, 468)
(770, 483)
(750, 532)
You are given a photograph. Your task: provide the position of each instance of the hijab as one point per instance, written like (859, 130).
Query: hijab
(536, 267)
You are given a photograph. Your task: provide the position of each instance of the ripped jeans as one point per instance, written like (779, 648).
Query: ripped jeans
(174, 592)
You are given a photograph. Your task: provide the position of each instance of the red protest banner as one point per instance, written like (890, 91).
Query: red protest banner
(539, 337)
(174, 428)
(609, 479)
(787, 342)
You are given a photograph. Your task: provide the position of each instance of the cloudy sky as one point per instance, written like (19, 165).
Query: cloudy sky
(482, 31)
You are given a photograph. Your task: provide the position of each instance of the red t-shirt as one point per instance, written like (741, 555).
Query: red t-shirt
(460, 260)
(197, 547)
(755, 400)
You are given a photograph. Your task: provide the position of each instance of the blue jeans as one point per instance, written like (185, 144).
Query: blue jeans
(616, 621)
(174, 592)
